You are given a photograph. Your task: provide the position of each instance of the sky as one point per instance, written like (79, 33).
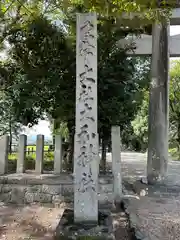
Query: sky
(44, 127)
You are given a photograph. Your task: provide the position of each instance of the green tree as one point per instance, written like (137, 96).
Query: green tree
(42, 76)
(174, 103)
(140, 123)
(21, 12)
(8, 124)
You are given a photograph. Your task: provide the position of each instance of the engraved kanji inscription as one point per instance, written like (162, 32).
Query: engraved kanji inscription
(86, 136)
(86, 182)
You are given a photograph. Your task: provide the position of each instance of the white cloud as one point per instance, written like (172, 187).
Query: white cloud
(42, 128)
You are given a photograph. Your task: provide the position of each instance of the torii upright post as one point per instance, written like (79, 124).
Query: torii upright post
(158, 105)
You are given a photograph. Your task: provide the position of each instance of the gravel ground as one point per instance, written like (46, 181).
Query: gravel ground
(158, 214)
(36, 222)
(158, 219)
(121, 225)
(28, 222)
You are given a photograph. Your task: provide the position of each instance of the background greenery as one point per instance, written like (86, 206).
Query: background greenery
(38, 73)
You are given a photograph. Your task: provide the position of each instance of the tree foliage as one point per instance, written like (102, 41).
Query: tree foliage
(140, 123)
(174, 102)
(8, 124)
(21, 12)
(40, 75)
(43, 79)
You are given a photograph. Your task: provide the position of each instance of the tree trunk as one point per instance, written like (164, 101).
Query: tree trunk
(178, 139)
(158, 105)
(53, 141)
(103, 155)
(70, 150)
(10, 136)
(70, 153)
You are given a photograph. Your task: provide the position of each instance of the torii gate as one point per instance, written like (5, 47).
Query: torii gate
(160, 46)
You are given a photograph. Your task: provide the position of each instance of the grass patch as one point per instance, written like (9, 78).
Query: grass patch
(30, 164)
(48, 163)
(48, 156)
(174, 153)
(33, 148)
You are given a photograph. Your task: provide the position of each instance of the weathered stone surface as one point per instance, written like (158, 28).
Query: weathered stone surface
(39, 154)
(105, 197)
(58, 192)
(21, 154)
(6, 188)
(140, 188)
(29, 197)
(158, 105)
(51, 189)
(116, 161)
(34, 188)
(38, 197)
(105, 188)
(68, 229)
(144, 180)
(58, 199)
(4, 143)
(58, 155)
(18, 195)
(42, 197)
(67, 189)
(86, 154)
(5, 197)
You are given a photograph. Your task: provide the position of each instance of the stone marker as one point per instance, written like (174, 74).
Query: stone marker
(158, 105)
(116, 161)
(58, 155)
(4, 145)
(39, 154)
(86, 137)
(21, 154)
(86, 221)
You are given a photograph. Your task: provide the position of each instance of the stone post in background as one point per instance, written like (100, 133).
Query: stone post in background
(116, 161)
(158, 105)
(21, 154)
(58, 155)
(4, 146)
(39, 154)
(86, 137)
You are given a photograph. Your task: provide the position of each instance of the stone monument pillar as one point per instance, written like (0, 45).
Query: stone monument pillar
(158, 105)
(39, 154)
(86, 137)
(58, 155)
(4, 146)
(116, 161)
(20, 168)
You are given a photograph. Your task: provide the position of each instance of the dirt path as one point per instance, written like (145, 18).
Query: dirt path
(28, 222)
(156, 216)
(159, 216)
(36, 222)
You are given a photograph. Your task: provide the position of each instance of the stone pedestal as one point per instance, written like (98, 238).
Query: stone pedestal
(39, 154)
(70, 230)
(4, 145)
(158, 105)
(21, 154)
(116, 161)
(58, 155)
(86, 137)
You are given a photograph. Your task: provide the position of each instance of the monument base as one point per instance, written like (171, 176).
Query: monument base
(69, 230)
